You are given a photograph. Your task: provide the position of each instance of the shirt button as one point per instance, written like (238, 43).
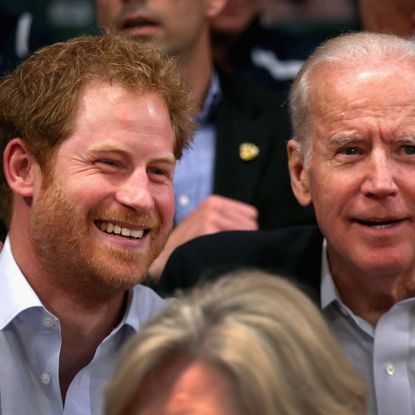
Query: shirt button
(48, 322)
(184, 200)
(45, 378)
(390, 369)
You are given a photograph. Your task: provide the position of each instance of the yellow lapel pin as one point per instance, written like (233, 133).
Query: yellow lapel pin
(248, 151)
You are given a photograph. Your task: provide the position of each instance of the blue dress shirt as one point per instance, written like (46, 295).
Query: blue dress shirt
(30, 341)
(384, 355)
(193, 178)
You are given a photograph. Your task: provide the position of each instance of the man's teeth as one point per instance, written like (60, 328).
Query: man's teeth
(378, 225)
(118, 230)
(381, 225)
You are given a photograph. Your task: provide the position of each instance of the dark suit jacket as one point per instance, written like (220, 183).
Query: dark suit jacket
(250, 114)
(3, 231)
(292, 252)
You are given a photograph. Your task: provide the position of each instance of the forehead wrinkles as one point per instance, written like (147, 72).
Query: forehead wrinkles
(358, 101)
(357, 122)
(360, 110)
(393, 82)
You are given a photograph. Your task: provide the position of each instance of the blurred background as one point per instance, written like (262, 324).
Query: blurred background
(26, 25)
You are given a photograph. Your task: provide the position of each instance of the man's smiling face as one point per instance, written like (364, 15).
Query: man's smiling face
(105, 209)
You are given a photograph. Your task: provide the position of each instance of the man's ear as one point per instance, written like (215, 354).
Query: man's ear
(214, 7)
(300, 181)
(19, 167)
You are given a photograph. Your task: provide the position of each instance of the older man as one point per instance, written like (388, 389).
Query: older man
(234, 177)
(90, 131)
(353, 158)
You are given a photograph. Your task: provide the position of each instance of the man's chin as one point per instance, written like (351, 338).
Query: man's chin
(126, 273)
(114, 279)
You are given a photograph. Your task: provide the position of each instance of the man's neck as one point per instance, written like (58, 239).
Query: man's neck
(83, 329)
(369, 296)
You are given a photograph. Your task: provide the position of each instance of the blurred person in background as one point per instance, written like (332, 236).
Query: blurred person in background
(266, 54)
(244, 47)
(385, 16)
(248, 344)
(277, 12)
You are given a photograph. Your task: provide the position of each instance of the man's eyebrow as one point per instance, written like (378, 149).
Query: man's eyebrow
(107, 148)
(343, 140)
(166, 158)
(406, 139)
(112, 148)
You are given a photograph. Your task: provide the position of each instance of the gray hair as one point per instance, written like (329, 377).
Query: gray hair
(345, 51)
(260, 330)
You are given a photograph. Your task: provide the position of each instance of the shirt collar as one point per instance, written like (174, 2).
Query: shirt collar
(328, 290)
(143, 304)
(130, 318)
(211, 101)
(330, 295)
(16, 294)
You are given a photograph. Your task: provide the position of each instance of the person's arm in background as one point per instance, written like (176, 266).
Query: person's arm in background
(215, 214)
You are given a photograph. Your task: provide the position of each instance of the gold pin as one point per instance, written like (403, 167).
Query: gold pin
(248, 151)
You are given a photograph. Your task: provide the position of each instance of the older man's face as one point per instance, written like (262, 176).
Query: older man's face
(361, 178)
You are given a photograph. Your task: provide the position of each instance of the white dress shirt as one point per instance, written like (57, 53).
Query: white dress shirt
(384, 355)
(30, 341)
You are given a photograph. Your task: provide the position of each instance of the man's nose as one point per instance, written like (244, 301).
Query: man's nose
(135, 192)
(380, 176)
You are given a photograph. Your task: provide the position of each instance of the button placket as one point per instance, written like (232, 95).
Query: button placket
(45, 378)
(184, 200)
(390, 369)
(48, 322)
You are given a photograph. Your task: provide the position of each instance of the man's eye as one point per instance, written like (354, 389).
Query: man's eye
(350, 151)
(410, 150)
(107, 162)
(159, 172)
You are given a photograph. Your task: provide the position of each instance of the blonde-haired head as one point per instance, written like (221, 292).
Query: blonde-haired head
(266, 335)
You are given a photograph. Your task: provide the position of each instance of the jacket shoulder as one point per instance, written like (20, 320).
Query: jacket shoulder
(285, 251)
